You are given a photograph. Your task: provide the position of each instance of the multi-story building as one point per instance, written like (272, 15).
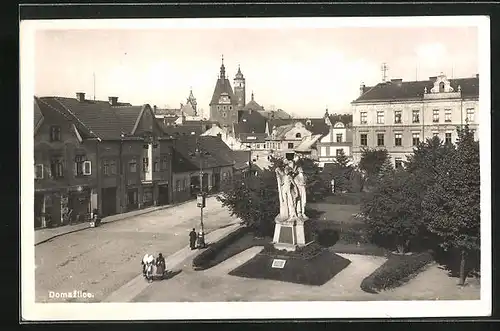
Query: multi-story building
(101, 155)
(224, 103)
(397, 115)
(337, 140)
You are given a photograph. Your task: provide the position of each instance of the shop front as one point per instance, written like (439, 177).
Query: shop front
(77, 208)
(132, 198)
(163, 194)
(147, 196)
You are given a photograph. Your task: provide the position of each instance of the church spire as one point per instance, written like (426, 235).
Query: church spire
(252, 96)
(222, 69)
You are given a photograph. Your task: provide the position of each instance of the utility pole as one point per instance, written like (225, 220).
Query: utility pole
(384, 69)
(93, 74)
(201, 195)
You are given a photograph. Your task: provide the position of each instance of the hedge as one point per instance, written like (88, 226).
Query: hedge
(206, 259)
(328, 234)
(397, 270)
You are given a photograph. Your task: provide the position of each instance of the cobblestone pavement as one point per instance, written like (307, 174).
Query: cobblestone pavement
(101, 260)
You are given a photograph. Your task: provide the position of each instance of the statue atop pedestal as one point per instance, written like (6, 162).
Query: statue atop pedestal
(289, 229)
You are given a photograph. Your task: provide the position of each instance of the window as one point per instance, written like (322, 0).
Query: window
(164, 162)
(338, 151)
(297, 135)
(398, 163)
(470, 115)
(441, 87)
(178, 185)
(112, 167)
(397, 117)
(79, 160)
(339, 137)
(398, 137)
(447, 138)
(416, 138)
(132, 165)
(145, 164)
(364, 139)
(380, 117)
(224, 114)
(362, 117)
(435, 134)
(258, 146)
(435, 116)
(290, 145)
(55, 133)
(38, 171)
(380, 139)
(416, 116)
(447, 115)
(105, 168)
(156, 164)
(57, 167)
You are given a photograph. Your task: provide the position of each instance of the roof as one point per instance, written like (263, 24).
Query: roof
(315, 125)
(241, 159)
(166, 111)
(186, 158)
(250, 122)
(37, 113)
(253, 137)
(222, 86)
(275, 114)
(253, 105)
(400, 90)
(307, 143)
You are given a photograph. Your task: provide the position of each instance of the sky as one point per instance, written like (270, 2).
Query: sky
(302, 71)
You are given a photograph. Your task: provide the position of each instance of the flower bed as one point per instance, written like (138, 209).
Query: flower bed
(228, 246)
(397, 270)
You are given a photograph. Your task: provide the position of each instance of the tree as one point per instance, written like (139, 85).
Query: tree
(316, 188)
(342, 160)
(254, 200)
(452, 205)
(372, 161)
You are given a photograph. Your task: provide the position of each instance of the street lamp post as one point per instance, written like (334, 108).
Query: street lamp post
(201, 195)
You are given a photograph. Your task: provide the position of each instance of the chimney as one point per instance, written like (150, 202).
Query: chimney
(477, 75)
(362, 88)
(80, 96)
(113, 101)
(433, 78)
(154, 109)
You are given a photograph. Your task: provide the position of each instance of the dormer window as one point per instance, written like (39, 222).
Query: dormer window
(441, 87)
(297, 135)
(308, 122)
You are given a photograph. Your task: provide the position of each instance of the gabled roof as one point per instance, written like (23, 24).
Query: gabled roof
(307, 143)
(37, 114)
(186, 158)
(400, 90)
(315, 125)
(253, 105)
(222, 86)
(97, 118)
(275, 114)
(167, 112)
(241, 159)
(250, 122)
(252, 137)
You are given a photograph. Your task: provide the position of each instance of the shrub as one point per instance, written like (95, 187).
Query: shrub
(305, 252)
(206, 258)
(327, 237)
(397, 270)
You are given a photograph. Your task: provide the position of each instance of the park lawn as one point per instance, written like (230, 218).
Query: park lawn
(336, 213)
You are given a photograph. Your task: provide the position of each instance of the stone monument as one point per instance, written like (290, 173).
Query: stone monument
(289, 231)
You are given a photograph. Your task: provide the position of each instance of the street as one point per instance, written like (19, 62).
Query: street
(101, 260)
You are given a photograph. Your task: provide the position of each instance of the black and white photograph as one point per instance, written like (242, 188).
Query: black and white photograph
(251, 168)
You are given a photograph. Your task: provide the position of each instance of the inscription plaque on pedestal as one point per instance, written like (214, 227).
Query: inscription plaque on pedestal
(279, 264)
(286, 235)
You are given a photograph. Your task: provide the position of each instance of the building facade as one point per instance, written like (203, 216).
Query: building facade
(224, 103)
(397, 115)
(89, 154)
(336, 141)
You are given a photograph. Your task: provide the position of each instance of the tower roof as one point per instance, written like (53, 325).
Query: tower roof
(239, 75)
(222, 69)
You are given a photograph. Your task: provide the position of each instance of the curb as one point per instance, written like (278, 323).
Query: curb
(115, 220)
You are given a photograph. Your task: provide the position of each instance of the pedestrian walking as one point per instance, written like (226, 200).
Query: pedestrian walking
(161, 266)
(192, 239)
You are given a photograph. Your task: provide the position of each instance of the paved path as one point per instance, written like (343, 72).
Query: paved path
(101, 260)
(175, 263)
(46, 234)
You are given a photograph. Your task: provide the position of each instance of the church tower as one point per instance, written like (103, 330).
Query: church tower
(192, 101)
(223, 106)
(239, 89)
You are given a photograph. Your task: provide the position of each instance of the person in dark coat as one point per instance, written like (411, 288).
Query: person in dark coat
(192, 239)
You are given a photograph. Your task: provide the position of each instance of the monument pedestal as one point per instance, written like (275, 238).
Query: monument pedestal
(291, 233)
